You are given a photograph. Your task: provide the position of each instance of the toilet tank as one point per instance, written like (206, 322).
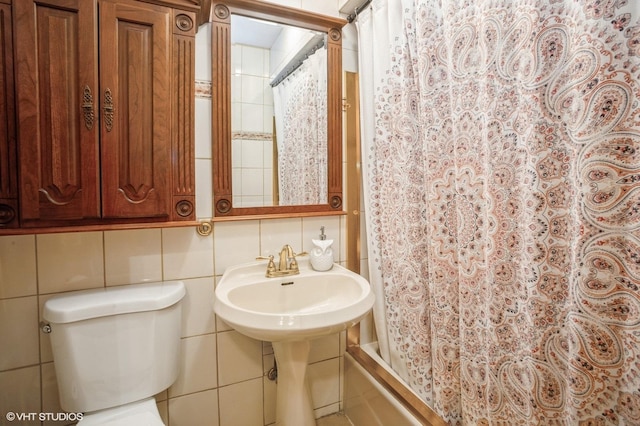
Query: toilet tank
(115, 345)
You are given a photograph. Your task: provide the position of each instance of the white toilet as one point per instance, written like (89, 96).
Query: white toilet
(114, 349)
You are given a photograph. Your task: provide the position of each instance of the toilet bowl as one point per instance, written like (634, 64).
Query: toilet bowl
(114, 349)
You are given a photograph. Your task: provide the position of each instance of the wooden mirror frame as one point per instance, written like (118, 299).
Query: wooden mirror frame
(220, 18)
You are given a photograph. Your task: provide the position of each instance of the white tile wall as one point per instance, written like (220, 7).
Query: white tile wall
(197, 315)
(198, 370)
(186, 254)
(21, 391)
(70, 261)
(196, 409)
(274, 234)
(133, 256)
(204, 188)
(252, 111)
(239, 358)
(218, 364)
(236, 243)
(324, 385)
(252, 154)
(203, 53)
(241, 404)
(20, 345)
(203, 113)
(18, 266)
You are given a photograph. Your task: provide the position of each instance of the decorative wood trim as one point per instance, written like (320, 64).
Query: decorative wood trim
(275, 215)
(190, 5)
(334, 117)
(283, 14)
(98, 226)
(183, 118)
(221, 108)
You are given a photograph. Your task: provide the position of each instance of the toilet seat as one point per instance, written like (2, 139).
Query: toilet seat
(139, 413)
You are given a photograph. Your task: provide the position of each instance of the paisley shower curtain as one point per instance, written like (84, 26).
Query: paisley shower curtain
(300, 106)
(501, 154)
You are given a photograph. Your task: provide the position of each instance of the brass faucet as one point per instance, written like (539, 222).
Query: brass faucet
(287, 264)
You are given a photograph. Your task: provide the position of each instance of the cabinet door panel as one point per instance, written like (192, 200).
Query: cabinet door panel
(135, 73)
(56, 65)
(8, 169)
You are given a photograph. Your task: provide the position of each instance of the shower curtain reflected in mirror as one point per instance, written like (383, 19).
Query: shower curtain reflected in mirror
(300, 106)
(501, 154)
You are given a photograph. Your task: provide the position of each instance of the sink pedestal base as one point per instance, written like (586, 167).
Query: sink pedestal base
(293, 401)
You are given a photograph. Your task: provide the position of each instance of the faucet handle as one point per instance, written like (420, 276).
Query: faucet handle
(294, 263)
(271, 266)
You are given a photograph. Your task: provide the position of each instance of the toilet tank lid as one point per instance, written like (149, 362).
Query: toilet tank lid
(94, 303)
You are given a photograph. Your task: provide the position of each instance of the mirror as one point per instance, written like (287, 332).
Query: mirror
(274, 150)
(278, 114)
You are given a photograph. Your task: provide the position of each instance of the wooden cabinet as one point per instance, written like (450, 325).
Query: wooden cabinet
(105, 111)
(8, 169)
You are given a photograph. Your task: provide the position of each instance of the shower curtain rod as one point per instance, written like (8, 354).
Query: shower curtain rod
(297, 60)
(352, 17)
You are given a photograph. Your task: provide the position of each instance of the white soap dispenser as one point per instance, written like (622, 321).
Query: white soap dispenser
(321, 256)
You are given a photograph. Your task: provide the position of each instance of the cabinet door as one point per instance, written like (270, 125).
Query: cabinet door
(136, 116)
(56, 85)
(8, 169)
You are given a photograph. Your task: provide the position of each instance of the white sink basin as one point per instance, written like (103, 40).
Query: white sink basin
(288, 311)
(296, 307)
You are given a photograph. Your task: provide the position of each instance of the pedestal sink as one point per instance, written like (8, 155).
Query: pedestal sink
(290, 311)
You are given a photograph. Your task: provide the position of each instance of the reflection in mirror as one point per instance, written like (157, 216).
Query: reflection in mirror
(266, 163)
(279, 114)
